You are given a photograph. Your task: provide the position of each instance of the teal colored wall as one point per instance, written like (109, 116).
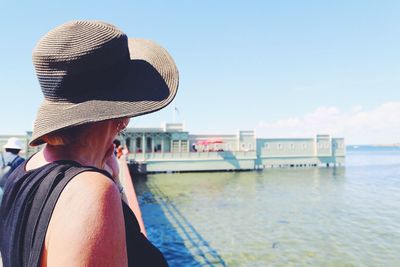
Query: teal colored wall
(285, 147)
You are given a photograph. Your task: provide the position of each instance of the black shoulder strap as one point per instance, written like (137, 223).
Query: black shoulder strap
(42, 209)
(42, 193)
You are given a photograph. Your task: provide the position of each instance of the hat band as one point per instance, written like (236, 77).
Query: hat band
(93, 85)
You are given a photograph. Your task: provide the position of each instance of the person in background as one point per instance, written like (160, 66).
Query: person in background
(119, 152)
(125, 152)
(62, 207)
(116, 143)
(10, 159)
(194, 148)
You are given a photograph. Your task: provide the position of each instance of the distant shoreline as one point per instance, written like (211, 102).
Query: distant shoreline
(378, 145)
(389, 145)
(394, 147)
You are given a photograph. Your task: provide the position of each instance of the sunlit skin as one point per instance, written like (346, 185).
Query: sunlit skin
(87, 226)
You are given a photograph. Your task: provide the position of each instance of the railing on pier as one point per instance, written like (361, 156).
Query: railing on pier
(126, 181)
(192, 155)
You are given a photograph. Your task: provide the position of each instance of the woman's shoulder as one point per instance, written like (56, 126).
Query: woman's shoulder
(92, 182)
(87, 220)
(90, 190)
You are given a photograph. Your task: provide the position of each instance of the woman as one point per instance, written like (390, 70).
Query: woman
(63, 207)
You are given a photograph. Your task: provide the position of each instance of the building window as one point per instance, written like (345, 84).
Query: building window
(175, 145)
(157, 148)
(128, 143)
(138, 144)
(148, 144)
(304, 146)
(291, 146)
(250, 146)
(280, 146)
(184, 145)
(266, 146)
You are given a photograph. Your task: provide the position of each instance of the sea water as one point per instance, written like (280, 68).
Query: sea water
(343, 216)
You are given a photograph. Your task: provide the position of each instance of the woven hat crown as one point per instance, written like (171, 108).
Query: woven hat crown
(80, 59)
(89, 71)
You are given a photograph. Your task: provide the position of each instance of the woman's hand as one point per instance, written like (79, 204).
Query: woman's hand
(111, 163)
(112, 167)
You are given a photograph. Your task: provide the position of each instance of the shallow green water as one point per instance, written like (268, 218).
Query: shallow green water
(279, 217)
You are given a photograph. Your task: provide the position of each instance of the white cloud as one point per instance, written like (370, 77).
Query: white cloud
(380, 125)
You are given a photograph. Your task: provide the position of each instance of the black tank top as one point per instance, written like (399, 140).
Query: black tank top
(25, 212)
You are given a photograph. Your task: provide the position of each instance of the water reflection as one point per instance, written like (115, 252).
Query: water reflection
(169, 229)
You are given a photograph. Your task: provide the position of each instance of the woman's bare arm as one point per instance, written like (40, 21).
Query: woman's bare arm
(87, 227)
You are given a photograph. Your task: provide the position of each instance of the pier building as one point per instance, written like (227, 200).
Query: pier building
(170, 148)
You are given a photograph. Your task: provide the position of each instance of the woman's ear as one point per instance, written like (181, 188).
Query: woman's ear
(122, 123)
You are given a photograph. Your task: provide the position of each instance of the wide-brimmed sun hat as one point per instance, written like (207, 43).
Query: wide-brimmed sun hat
(90, 71)
(13, 143)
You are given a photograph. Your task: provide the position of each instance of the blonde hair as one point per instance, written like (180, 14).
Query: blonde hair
(78, 134)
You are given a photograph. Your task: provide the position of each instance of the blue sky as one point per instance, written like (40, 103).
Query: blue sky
(283, 68)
